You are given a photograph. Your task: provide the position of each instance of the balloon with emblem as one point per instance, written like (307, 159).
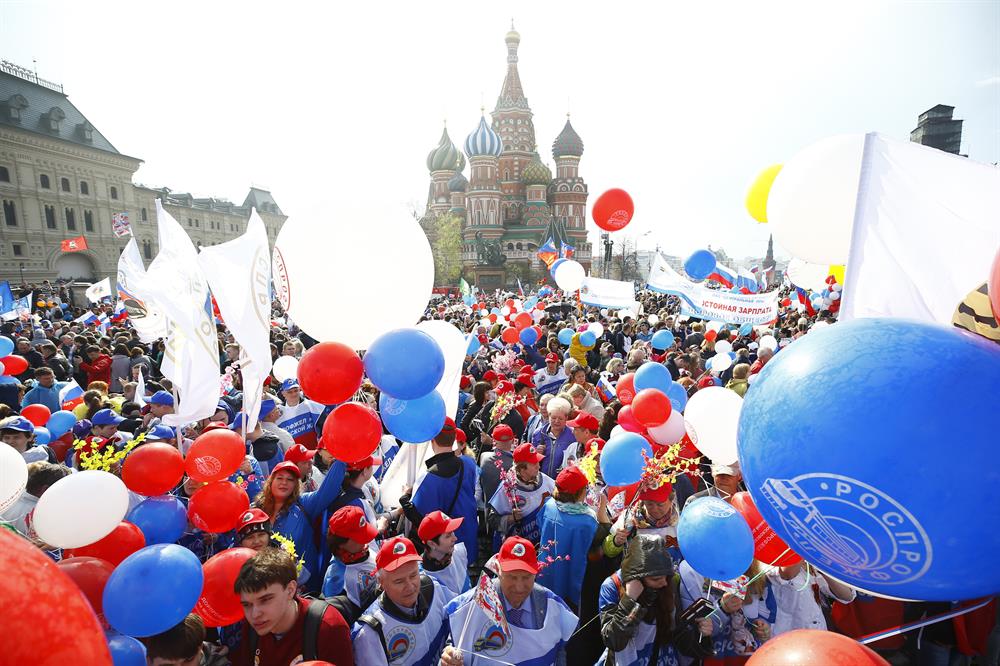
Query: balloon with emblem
(613, 210)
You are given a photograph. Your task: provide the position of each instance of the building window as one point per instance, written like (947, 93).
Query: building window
(88, 220)
(18, 250)
(145, 218)
(70, 219)
(114, 192)
(64, 183)
(10, 213)
(197, 223)
(4, 175)
(50, 217)
(44, 181)
(84, 188)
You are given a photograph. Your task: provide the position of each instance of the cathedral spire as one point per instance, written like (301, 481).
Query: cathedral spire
(769, 259)
(512, 94)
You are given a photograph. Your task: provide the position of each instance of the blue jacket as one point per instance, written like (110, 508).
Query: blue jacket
(437, 491)
(573, 534)
(44, 396)
(554, 448)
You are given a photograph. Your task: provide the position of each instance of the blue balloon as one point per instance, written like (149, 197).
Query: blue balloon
(678, 396)
(746, 329)
(405, 363)
(851, 487)
(42, 435)
(474, 344)
(662, 339)
(700, 264)
(60, 423)
(588, 339)
(126, 651)
(7, 379)
(468, 300)
(530, 303)
(413, 421)
(622, 461)
(715, 539)
(565, 336)
(652, 375)
(6, 346)
(528, 336)
(152, 590)
(162, 519)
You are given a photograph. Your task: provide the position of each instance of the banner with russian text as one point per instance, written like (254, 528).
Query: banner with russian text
(603, 293)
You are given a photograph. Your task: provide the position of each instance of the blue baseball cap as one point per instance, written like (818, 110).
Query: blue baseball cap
(289, 384)
(17, 424)
(106, 417)
(162, 398)
(159, 433)
(223, 406)
(237, 423)
(266, 407)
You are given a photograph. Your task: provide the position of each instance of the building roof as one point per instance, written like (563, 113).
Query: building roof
(483, 141)
(262, 201)
(512, 94)
(536, 173)
(34, 105)
(445, 157)
(568, 142)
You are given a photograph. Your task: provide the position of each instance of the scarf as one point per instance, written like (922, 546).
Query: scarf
(575, 508)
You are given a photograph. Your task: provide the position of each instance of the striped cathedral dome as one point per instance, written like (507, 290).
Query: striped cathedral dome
(536, 173)
(445, 156)
(483, 141)
(458, 182)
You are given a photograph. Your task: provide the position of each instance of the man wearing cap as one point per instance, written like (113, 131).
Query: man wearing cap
(444, 559)
(551, 377)
(540, 623)
(270, 412)
(351, 539)
(585, 427)
(303, 458)
(406, 624)
(160, 403)
(19, 433)
(514, 508)
(727, 480)
(489, 475)
(299, 415)
(105, 424)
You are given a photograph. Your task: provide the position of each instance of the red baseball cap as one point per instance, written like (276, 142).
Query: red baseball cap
(585, 420)
(526, 379)
(394, 553)
(489, 376)
(350, 522)
(460, 436)
(437, 523)
(252, 517)
(449, 425)
(365, 463)
(706, 382)
(660, 494)
(465, 382)
(286, 466)
(504, 387)
(552, 357)
(527, 453)
(299, 453)
(503, 432)
(484, 339)
(517, 554)
(571, 480)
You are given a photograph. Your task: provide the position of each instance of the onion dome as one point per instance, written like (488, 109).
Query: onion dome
(458, 183)
(512, 37)
(567, 143)
(536, 173)
(483, 141)
(445, 156)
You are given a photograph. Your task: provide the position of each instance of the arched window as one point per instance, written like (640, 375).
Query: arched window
(71, 219)
(519, 246)
(43, 180)
(88, 220)
(4, 175)
(147, 249)
(64, 184)
(114, 192)
(84, 188)
(50, 217)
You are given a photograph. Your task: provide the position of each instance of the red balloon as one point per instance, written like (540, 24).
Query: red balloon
(122, 542)
(14, 364)
(90, 575)
(651, 407)
(482, 306)
(625, 388)
(627, 420)
(219, 605)
(767, 546)
(330, 372)
(523, 320)
(215, 455)
(153, 469)
(217, 507)
(38, 414)
(540, 305)
(510, 303)
(613, 210)
(492, 317)
(808, 647)
(47, 620)
(711, 335)
(785, 302)
(992, 287)
(352, 431)
(509, 335)
(538, 330)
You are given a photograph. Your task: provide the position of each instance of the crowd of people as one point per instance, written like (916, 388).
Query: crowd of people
(507, 548)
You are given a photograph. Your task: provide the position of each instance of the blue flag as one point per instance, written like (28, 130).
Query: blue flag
(6, 297)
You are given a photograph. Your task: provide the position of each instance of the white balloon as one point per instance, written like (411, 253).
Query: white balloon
(752, 378)
(837, 287)
(485, 322)
(811, 205)
(714, 326)
(286, 367)
(518, 305)
(723, 347)
(626, 314)
(537, 315)
(808, 276)
(818, 325)
(768, 342)
(570, 275)
(713, 414)
(453, 345)
(596, 328)
(669, 432)
(505, 311)
(335, 291)
(653, 320)
(721, 362)
(834, 295)
(617, 430)
(604, 312)
(13, 476)
(80, 509)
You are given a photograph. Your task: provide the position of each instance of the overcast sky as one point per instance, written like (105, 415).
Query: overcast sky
(335, 109)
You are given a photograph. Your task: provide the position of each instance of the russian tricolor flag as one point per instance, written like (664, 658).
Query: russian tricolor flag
(804, 300)
(746, 281)
(724, 276)
(70, 395)
(605, 389)
(120, 313)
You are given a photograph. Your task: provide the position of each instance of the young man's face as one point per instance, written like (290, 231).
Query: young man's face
(160, 410)
(159, 661)
(266, 608)
(442, 546)
(15, 438)
(105, 431)
(402, 586)
(46, 380)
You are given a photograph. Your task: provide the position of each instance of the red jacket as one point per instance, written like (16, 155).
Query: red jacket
(99, 370)
(333, 644)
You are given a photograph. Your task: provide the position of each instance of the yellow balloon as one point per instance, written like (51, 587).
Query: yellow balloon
(757, 195)
(837, 271)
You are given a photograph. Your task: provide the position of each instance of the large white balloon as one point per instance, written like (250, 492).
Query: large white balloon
(712, 415)
(768, 342)
(720, 362)
(286, 367)
(454, 345)
(13, 476)
(351, 281)
(569, 275)
(723, 347)
(80, 509)
(811, 205)
(669, 432)
(596, 328)
(806, 275)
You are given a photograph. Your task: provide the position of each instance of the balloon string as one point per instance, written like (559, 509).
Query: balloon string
(805, 584)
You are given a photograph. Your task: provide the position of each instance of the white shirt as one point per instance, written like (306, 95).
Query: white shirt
(797, 607)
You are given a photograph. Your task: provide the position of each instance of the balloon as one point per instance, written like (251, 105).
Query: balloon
(330, 372)
(351, 432)
(565, 336)
(413, 421)
(451, 342)
(570, 275)
(812, 201)
(13, 476)
(678, 396)
(757, 194)
(215, 455)
(723, 347)
(285, 367)
(14, 364)
(627, 421)
(856, 468)
(124, 540)
(522, 320)
(712, 415)
(700, 264)
(651, 407)
(6, 346)
(768, 342)
(714, 538)
(555, 264)
(42, 435)
(613, 210)
(90, 575)
(596, 328)
(509, 335)
(60, 423)
(662, 339)
(652, 375)
(993, 286)
(618, 430)
(528, 336)
(153, 469)
(670, 431)
(316, 266)
(219, 605)
(625, 388)
(806, 275)
(837, 271)
(622, 459)
(153, 590)
(218, 506)
(711, 335)
(720, 362)
(126, 651)
(47, 620)
(37, 414)
(80, 508)
(767, 547)
(162, 519)
(492, 317)
(405, 363)
(747, 329)
(588, 339)
(808, 647)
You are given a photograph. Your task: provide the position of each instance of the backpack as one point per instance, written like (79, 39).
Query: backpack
(310, 631)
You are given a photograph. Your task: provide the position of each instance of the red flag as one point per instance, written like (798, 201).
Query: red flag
(74, 244)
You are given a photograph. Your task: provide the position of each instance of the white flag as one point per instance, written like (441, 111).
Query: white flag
(99, 290)
(179, 290)
(134, 294)
(140, 390)
(608, 293)
(239, 273)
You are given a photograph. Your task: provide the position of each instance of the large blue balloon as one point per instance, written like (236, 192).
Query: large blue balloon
(413, 421)
(405, 363)
(162, 519)
(622, 461)
(678, 396)
(715, 539)
(652, 375)
(60, 423)
(7, 379)
(565, 336)
(528, 336)
(42, 435)
(126, 651)
(588, 338)
(746, 329)
(862, 487)
(152, 590)
(6, 346)
(700, 264)
(662, 339)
